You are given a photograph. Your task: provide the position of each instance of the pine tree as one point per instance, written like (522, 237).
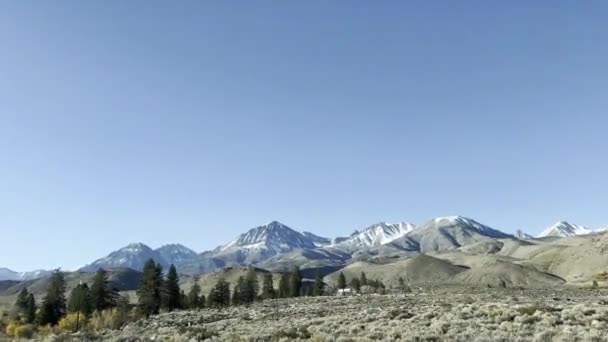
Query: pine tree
(341, 281)
(183, 300)
(202, 302)
(194, 299)
(25, 306)
(401, 283)
(267, 286)
(220, 294)
(80, 300)
(284, 285)
(20, 307)
(30, 313)
(319, 287)
(355, 284)
(53, 305)
(295, 282)
(102, 295)
(363, 279)
(251, 286)
(237, 292)
(149, 292)
(171, 292)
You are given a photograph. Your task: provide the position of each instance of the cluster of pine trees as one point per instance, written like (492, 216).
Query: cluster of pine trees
(82, 300)
(157, 292)
(358, 283)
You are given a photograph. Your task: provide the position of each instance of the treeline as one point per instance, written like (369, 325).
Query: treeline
(362, 284)
(157, 294)
(99, 306)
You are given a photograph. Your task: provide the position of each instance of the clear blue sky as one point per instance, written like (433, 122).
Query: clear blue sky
(192, 122)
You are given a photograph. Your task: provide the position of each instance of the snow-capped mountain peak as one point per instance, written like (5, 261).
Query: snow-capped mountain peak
(565, 229)
(176, 253)
(273, 236)
(378, 234)
(133, 255)
(466, 223)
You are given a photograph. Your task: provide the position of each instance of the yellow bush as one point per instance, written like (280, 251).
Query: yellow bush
(46, 330)
(24, 331)
(108, 319)
(68, 323)
(11, 328)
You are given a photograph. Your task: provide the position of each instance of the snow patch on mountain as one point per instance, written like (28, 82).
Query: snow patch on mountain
(565, 229)
(319, 241)
(8, 274)
(274, 236)
(378, 234)
(176, 253)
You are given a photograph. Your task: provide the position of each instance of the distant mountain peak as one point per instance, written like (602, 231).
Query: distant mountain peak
(565, 229)
(8, 274)
(378, 234)
(469, 223)
(520, 234)
(276, 234)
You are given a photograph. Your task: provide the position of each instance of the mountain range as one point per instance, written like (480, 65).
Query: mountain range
(275, 246)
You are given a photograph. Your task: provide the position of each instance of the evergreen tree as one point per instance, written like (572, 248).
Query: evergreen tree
(295, 282)
(355, 284)
(251, 286)
(237, 292)
(30, 313)
(53, 305)
(319, 287)
(172, 295)
(363, 279)
(284, 285)
(220, 294)
(149, 292)
(267, 286)
(341, 281)
(20, 306)
(25, 306)
(102, 294)
(202, 302)
(80, 300)
(194, 298)
(183, 300)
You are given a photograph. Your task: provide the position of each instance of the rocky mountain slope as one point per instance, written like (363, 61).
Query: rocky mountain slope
(135, 255)
(7, 274)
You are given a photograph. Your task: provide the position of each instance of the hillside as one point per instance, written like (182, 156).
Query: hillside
(121, 279)
(417, 270)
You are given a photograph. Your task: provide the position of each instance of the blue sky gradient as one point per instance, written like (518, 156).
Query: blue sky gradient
(192, 122)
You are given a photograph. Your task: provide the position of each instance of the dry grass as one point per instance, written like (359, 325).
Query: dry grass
(437, 314)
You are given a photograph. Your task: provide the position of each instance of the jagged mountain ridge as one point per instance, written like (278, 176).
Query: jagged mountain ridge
(278, 244)
(378, 234)
(8, 274)
(135, 255)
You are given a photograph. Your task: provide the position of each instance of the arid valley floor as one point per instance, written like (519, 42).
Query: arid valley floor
(433, 314)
